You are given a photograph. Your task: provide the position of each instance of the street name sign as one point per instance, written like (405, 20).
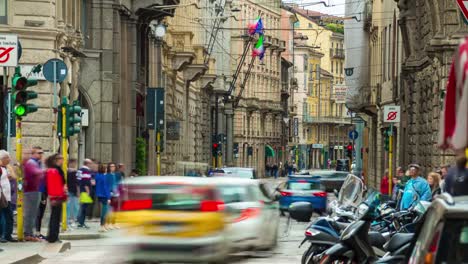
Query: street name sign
(9, 50)
(392, 114)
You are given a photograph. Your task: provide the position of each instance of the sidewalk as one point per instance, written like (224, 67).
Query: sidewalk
(35, 252)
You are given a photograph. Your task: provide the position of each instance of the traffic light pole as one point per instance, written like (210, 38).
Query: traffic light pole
(5, 84)
(158, 153)
(64, 149)
(390, 158)
(19, 203)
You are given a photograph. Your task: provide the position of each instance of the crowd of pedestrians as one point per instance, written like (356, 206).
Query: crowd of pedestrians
(45, 186)
(412, 186)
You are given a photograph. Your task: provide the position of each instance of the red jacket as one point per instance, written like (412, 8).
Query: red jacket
(55, 185)
(384, 185)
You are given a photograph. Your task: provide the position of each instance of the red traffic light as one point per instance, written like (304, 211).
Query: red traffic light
(215, 145)
(350, 147)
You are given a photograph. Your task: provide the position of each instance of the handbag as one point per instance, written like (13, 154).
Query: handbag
(85, 198)
(3, 200)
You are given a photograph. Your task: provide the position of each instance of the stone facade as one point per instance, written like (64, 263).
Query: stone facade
(257, 120)
(411, 48)
(431, 31)
(47, 29)
(325, 121)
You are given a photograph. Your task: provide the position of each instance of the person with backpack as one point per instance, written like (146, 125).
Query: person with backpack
(416, 188)
(57, 193)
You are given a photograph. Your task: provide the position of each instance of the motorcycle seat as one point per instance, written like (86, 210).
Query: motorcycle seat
(397, 241)
(340, 226)
(376, 239)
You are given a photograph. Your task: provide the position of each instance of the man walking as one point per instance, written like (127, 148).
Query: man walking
(417, 188)
(73, 204)
(33, 175)
(456, 182)
(84, 179)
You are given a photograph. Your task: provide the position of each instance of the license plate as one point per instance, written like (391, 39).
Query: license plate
(170, 229)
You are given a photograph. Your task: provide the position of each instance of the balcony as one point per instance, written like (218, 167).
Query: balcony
(327, 120)
(364, 100)
(307, 119)
(337, 53)
(285, 90)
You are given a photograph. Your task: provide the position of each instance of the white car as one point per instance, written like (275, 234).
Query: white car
(253, 215)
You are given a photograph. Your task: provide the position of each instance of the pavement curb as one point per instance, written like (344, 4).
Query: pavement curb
(66, 236)
(33, 259)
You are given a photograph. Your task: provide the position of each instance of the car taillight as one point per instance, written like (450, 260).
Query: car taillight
(430, 256)
(320, 194)
(248, 213)
(211, 206)
(286, 193)
(131, 205)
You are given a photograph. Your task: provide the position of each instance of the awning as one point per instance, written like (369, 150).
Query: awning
(269, 152)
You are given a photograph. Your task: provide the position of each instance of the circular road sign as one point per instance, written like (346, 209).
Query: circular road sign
(353, 134)
(60, 70)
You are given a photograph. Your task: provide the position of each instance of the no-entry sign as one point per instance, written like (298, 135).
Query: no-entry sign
(8, 50)
(463, 5)
(391, 114)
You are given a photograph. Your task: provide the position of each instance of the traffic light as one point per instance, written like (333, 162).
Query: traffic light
(349, 151)
(387, 143)
(220, 149)
(73, 121)
(21, 95)
(214, 149)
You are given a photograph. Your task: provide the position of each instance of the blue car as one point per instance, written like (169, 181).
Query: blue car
(302, 188)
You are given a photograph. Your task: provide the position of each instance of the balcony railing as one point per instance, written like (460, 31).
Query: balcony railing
(327, 120)
(337, 53)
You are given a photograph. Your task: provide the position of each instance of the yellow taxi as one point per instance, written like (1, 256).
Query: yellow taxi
(173, 219)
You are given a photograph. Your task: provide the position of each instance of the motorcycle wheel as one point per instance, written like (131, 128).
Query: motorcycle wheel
(313, 250)
(332, 260)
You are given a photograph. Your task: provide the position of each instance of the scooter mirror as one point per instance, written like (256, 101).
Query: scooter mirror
(335, 191)
(301, 211)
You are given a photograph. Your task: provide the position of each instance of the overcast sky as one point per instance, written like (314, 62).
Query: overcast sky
(338, 10)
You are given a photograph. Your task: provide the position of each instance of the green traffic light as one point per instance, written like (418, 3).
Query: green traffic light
(20, 110)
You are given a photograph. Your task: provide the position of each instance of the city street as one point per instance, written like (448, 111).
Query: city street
(112, 250)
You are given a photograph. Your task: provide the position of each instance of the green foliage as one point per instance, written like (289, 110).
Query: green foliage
(337, 28)
(141, 161)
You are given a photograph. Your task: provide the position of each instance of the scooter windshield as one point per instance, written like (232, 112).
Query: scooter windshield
(351, 191)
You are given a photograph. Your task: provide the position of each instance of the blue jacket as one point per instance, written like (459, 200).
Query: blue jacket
(422, 189)
(103, 186)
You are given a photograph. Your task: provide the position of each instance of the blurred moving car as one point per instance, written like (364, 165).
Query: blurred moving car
(303, 188)
(252, 213)
(174, 219)
(330, 179)
(443, 237)
(246, 173)
(185, 219)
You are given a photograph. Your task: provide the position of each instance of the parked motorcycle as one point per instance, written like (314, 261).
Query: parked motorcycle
(356, 246)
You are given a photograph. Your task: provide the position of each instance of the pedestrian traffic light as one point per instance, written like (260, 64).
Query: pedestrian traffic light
(73, 114)
(21, 95)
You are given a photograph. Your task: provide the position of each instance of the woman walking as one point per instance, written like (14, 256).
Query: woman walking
(103, 193)
(57, 193)
(434, 182)
(114, 181)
